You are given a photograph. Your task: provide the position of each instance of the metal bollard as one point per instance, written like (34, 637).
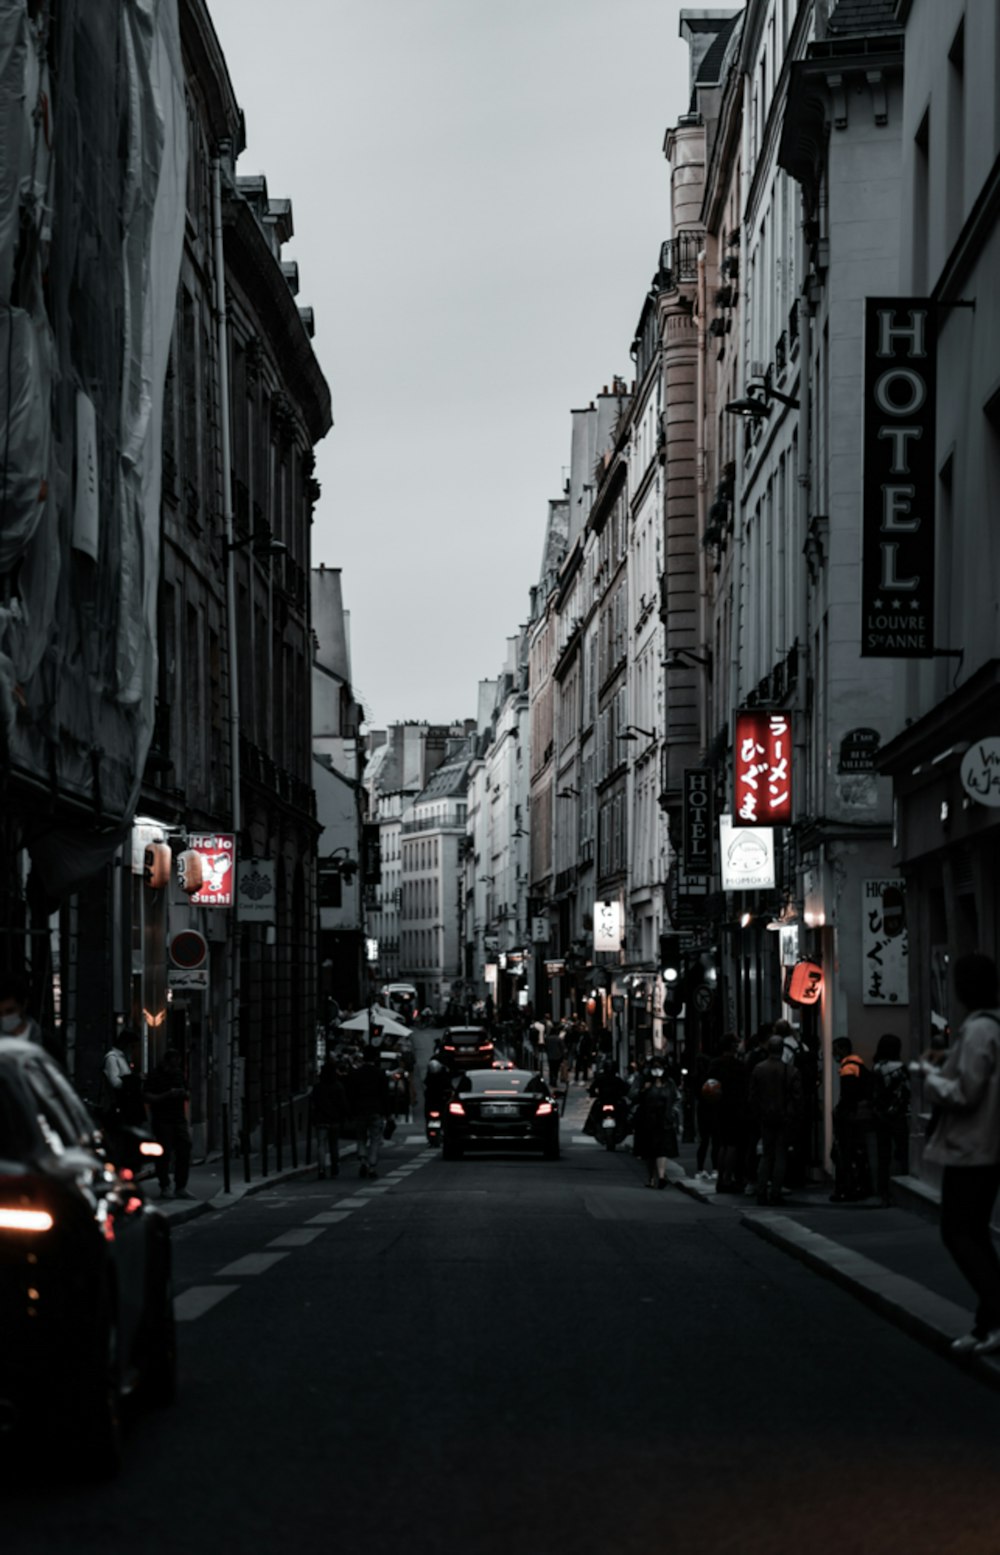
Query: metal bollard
(294, 1135)
(245, 1141)
(226, 1187)
(264, 1138)
(278, 1128)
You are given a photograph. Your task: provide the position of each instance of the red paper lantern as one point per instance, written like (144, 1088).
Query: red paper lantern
(804, 984)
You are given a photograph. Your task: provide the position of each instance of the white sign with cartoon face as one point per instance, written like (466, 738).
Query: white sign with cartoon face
(747, 854)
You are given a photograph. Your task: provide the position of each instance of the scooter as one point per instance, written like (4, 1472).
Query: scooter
(610, 1125)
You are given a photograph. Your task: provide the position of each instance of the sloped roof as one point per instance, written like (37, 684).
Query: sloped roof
(449, 781)
(860, 18)
(710, 69)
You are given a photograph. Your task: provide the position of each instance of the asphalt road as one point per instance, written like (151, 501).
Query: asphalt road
(507, 1354)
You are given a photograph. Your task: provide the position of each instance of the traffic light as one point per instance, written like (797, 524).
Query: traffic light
(671, 961)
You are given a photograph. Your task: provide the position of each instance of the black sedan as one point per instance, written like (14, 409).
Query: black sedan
(500, 1108)
(466, 1047)
(86, 1299)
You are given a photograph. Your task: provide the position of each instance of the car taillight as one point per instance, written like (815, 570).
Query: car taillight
(12, 1219)
(607, 1107)
(456, 1109)
(543, 1108)
(434, 1114)
(150, 1147)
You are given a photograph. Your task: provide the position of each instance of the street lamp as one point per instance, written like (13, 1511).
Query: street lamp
(567, 793)
(686, 658)
(632, 732)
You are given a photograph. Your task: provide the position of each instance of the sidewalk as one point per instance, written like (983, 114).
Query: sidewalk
(206, 1182)
(891, 1259)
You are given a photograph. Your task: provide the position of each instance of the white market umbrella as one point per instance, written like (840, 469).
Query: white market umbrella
(379, 1017)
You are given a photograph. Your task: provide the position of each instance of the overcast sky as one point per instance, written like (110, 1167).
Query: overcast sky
(479, 194)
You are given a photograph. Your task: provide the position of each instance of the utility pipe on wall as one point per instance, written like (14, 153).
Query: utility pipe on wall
(222, 326)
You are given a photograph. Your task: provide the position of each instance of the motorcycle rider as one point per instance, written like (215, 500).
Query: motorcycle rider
(608, 1088)
(437, 1086)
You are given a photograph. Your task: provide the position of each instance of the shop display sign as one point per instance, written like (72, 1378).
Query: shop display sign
(540, 929)
(607, 926)
(981, 772)
(218, 855)
(897, 555)
(747, 855)
(256, 897)
(696, 849)
(187, 960)
(763, 769)
(885, 951)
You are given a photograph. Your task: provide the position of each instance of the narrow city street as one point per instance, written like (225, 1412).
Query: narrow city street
(505, 1353)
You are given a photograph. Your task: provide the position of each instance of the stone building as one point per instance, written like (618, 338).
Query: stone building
(198, 734)
(943, 719)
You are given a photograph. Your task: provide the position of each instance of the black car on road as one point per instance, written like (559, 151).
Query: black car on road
(86, 1299)
(466, 1047)
(500, 1108)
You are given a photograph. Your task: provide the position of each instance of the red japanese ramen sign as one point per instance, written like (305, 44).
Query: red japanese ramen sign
(763, 769)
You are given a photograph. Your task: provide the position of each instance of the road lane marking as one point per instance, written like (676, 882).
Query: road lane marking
(333, 1218)
(301, 1237)
(584, 1139)
(352, 1203)
(370, 1192)
(200, 1298)
(253, 1263)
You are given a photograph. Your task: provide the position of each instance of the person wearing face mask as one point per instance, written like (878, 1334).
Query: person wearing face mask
(14, 1018)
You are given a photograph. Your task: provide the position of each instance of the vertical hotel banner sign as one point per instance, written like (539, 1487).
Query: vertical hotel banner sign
(763, 769)
(897, 562)
(697, 821)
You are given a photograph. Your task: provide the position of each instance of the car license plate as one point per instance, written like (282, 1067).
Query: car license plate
(500, 1109)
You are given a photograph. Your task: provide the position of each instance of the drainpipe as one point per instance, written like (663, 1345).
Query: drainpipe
(222, 325)
(701, 469)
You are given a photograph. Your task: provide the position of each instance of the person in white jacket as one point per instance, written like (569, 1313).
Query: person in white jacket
(963, 1083)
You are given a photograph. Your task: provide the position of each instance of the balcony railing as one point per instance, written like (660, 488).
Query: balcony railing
(435, 823)
(679, 260)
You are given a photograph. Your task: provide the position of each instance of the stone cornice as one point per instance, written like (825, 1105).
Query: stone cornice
(251, 262)
(205, 63)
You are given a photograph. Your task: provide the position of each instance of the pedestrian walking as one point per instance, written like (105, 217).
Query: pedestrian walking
(727, 1079)
(706, 1113)
(964, 1085)
(555, 1053)
(369, 1102)
(655, 1134)
(751, 1126)
(774, 1099)
(329, 1108)
(584, 1055)
(120, 1102)
(851, 1119)
(166, 1094)
(890, 1110)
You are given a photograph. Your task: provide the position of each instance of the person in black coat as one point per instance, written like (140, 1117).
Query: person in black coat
(368, 1095)
(328, 1101)
(727, 1091)
(655, 1130)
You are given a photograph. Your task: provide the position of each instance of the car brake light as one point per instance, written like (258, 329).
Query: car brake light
(434, 1114)
(456, 1109)
(150, 1147)
(25, 1219)
(543, 1108)
(607, 1107)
